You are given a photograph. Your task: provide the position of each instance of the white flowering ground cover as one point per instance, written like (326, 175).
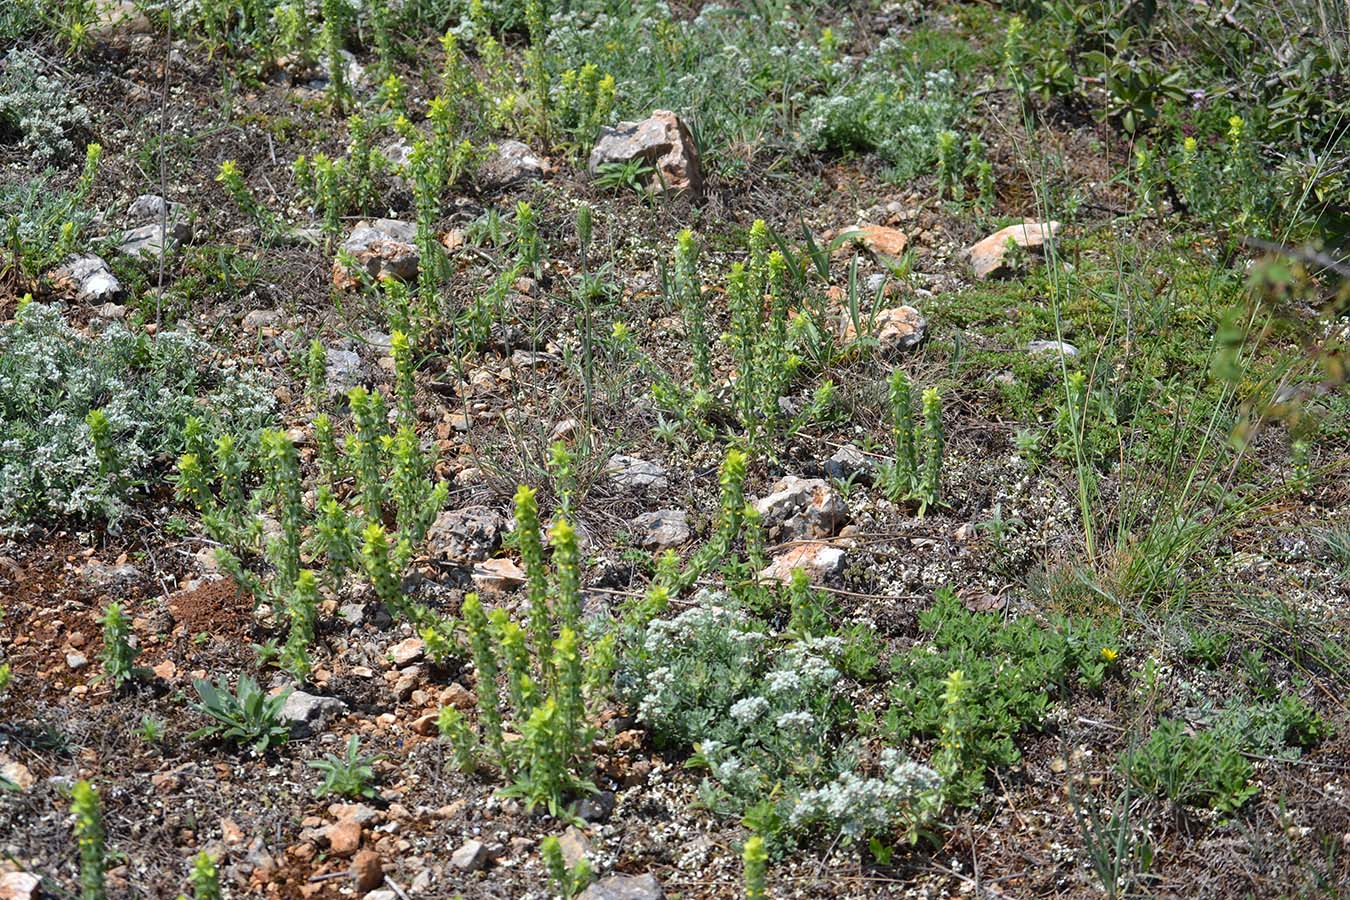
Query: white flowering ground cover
(1069, 531)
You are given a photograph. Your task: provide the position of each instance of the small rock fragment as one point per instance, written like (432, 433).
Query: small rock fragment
(470, 857)
(1052, 348)
(383, 247)
(367, 870)
(342, 370)
(662, 529)
(636, 474)
(514, 162)
(802, 508)
(306, 713)
(498, 575)
(19, 886)
(344, 838)
(471, 534)
(625, 887)
(848, 462)
(407, 651)
(898, 329)
(575, 846)
(989, 257)
(663, 142)
(89, 277)
(821, 563)
(882, 241)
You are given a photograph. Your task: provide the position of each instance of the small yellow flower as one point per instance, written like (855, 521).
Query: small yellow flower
(1189, 145)
(1109, 654)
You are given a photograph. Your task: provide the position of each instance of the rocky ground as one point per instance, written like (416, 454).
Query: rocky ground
(962, 301)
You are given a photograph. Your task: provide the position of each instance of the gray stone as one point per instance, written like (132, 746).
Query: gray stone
(802, 508)
(514, 162)
(635, 474)
(471, 534)
(89, 277)
(597, 807)
(532, 359)
(625, 887)
(899, 329)
(661, 141)
(19, 886)
(257, 319)
(408, 651)
(152, 208)
(343, 370)
(157, 225)
(1052, 348)
(662, 529)
(470, 857)
(307, 713)
(383, 247)
(148, 241)
(848, 462)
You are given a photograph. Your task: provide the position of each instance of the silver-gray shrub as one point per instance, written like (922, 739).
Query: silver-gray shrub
(867, 113)
(37, 111)
(52, 376)
(768, 717)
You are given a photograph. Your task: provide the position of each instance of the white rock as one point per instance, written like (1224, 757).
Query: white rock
(802, 508)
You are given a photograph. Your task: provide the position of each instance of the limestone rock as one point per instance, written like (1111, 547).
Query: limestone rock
(89, 277)
(383, 247)
(498, 575)
(1052, 348)
(19, 886)
(575, 846)
(471, 534)
(821, 563)
(989, 257)
(899, 329)
(625, 887)
(148, 241)
(307, 713)
(513, 163)
(848, 462)
(662, 529)
(881, 240)
(367, 870)
(635, 474)
(802, 508)
(663, 142)
(342, 370)
(470, 857)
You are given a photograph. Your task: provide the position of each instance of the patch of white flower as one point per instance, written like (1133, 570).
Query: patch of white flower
(905, 796)
(748, 710)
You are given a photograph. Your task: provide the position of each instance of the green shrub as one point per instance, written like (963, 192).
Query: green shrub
(205, 877)
(550, 674)
(902, 122)
(1008, 674)
(1204, 768)
(118, 656)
